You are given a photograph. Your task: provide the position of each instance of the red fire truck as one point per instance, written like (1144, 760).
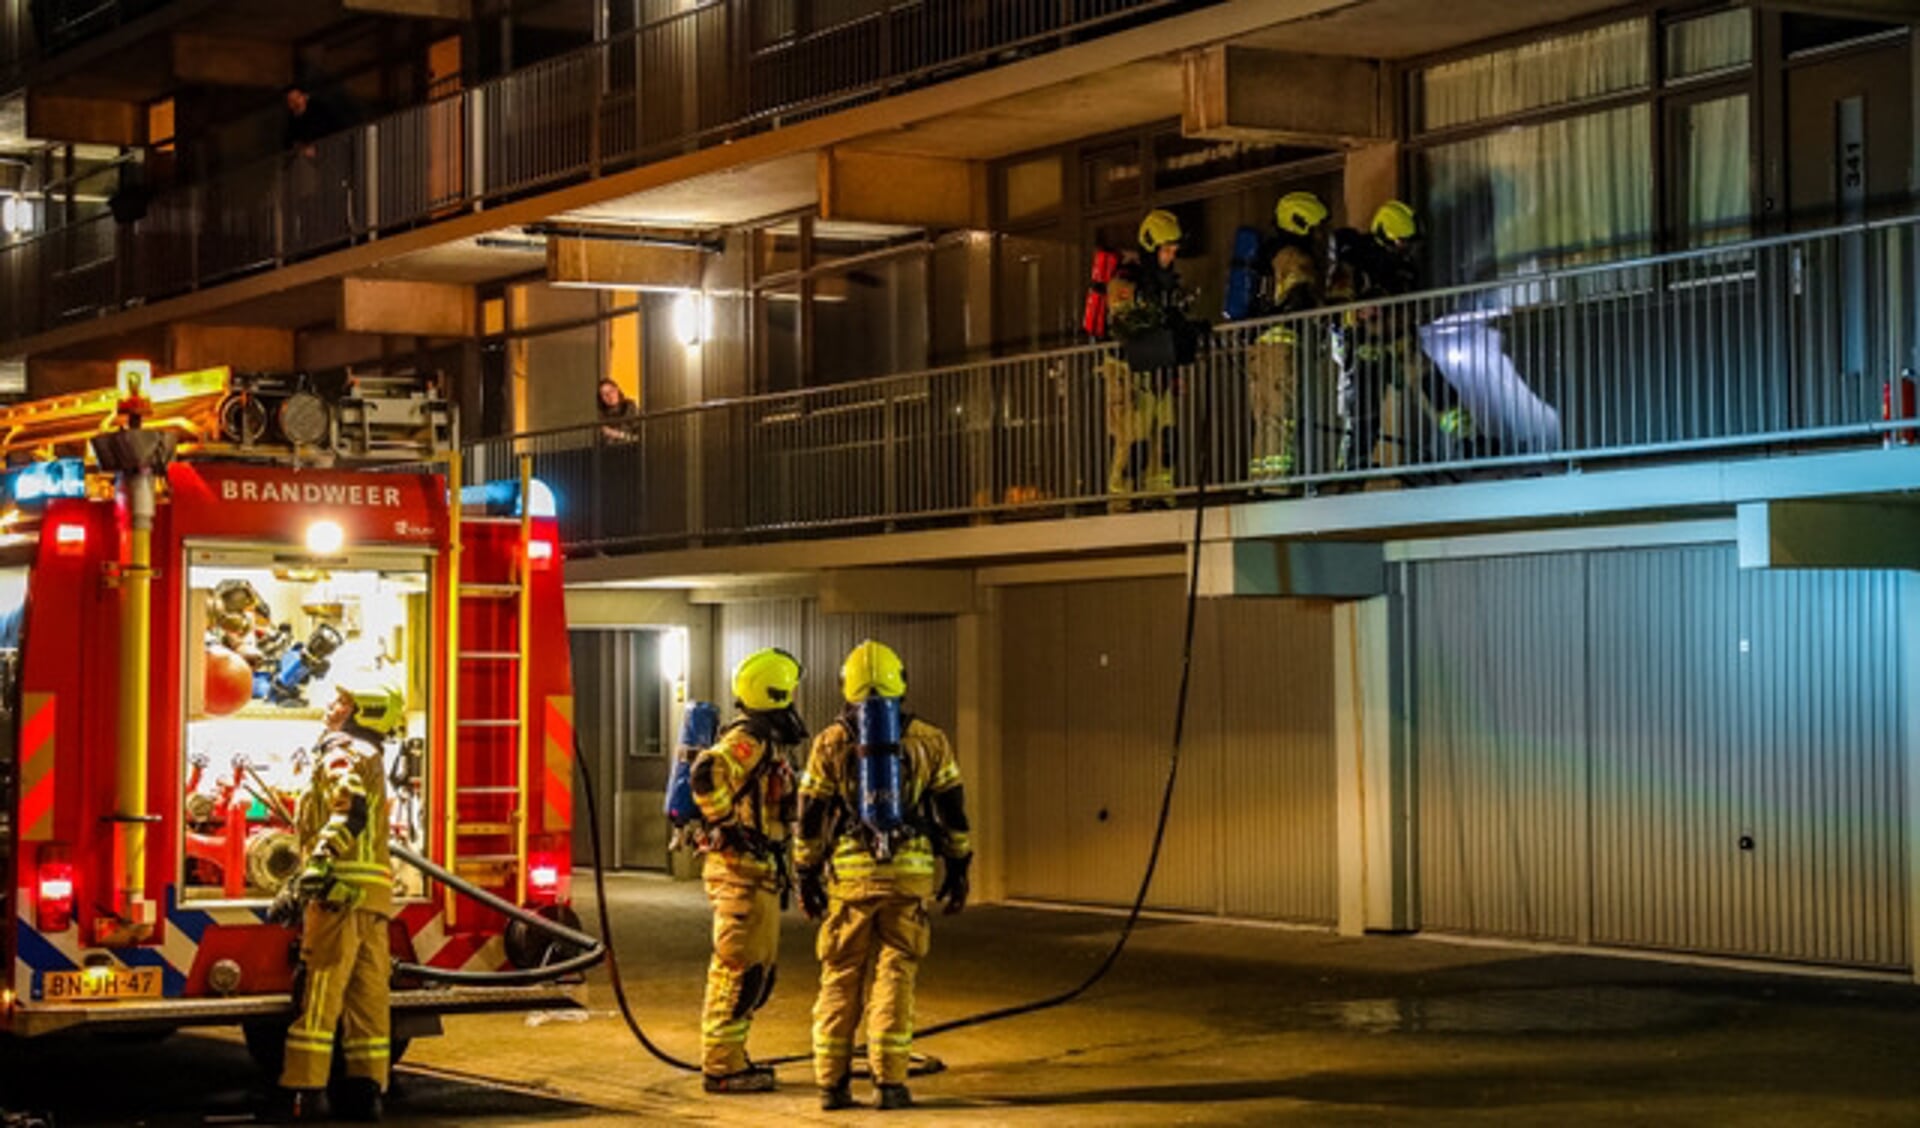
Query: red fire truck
(180, 596)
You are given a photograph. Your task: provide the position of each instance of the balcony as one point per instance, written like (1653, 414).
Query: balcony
(683, 82)
(1764, 349)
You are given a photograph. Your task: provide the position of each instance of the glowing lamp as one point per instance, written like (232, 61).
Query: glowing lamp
(545, 871)
(326, 538)
(134, 378)
(70, 538)
(54, 901)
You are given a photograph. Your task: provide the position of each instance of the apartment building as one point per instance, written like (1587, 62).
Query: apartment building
(1632, 664)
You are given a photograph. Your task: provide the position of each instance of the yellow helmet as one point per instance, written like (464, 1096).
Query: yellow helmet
(872, 669)
(1299, 212)
(379, 707)
(1395, 221)
(1159, 229)
(765, 680)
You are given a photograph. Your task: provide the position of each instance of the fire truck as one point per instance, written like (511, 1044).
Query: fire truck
(189, 574)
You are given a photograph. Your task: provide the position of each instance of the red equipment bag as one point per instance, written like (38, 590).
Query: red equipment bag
(1105, 265)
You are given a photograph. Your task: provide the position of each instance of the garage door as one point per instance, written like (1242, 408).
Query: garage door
(1090, 673)
(1653, 748)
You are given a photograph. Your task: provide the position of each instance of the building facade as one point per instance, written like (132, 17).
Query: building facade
(1630, 662)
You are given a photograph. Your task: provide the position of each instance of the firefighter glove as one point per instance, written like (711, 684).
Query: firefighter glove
(813, 891)
(954, 889)
(285, 910)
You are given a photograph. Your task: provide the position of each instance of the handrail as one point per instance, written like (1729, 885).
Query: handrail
(612, 103)
(1809, 342)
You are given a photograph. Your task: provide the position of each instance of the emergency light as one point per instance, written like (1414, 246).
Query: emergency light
(44, 481)
(53, 908)
(70, 538)
(543, 876)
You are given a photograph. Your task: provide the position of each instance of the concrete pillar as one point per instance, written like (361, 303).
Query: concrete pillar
(85, 121)
(868, 187)
(1248, 94)
(244, 348)
(217, 60)
(977, 740)
(412, 309)
(1373, 786)
(1372, 178)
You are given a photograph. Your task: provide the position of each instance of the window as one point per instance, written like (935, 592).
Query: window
(1716, 200)
(1710, 45)
(1033, 189)
(1540, 196)
(1556, 72)
(1113, 174)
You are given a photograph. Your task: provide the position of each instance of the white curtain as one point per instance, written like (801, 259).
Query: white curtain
(1541, 196)
(1555, 72)
(1718, 42)
(1719, 198)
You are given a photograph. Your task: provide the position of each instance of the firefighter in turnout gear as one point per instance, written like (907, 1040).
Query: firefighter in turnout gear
(1374, 348)
(346, 888)
(744, 788)
(880, 799)
(1145, 302)
(1273, 364)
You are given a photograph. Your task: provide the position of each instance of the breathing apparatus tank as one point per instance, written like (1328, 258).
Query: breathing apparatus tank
(882, 773)
(698, 731)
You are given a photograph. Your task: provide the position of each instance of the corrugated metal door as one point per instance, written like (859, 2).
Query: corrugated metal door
(1653, 748)
(821, 642)
(1089, 675)
(1497, 674)
(1747, 781)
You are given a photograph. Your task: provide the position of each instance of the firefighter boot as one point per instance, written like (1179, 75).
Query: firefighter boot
(752, 1079)
(895, 1097)
(357, 1099)
(292, 1106)
(833, 1098)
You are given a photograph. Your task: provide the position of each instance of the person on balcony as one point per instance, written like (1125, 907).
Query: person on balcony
(1375, 347)
(1293, 269)
(745, 790)
(312, 117)
(1148, 316)
(618, 414)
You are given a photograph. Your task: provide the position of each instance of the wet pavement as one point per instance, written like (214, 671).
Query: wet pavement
(1200, 1024)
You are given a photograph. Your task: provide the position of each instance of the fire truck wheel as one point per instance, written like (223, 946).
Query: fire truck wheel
(267, 1045)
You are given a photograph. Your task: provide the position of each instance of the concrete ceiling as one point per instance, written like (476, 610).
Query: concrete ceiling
(467, 262)
(734, 196)
(1399, 29)
(1125, 96)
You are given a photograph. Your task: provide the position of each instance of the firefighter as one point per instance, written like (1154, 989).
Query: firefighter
(868, 880)
(1373, 348)
(1145, 297)
(1273, 367)
(744, 788)
(346, 888)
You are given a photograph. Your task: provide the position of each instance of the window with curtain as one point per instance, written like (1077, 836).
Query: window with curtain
(1717, 193)
(1711, 44)
(1565, 70)
(1541, 196)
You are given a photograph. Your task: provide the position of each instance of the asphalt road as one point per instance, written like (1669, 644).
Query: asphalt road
(1202, 1023)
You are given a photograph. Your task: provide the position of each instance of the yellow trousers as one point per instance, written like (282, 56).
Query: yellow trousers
(746, 944)
(1273, 379)
(1139, 419)
(348, 965)
(870, 951)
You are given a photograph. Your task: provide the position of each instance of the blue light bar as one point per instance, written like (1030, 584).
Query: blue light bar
(503, 497)
(39, 482)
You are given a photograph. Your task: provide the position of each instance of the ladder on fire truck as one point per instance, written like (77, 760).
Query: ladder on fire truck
(489, 762)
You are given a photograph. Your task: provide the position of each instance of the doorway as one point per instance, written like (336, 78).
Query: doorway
(622, 702)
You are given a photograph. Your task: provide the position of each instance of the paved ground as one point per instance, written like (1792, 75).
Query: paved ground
(1201, 1024)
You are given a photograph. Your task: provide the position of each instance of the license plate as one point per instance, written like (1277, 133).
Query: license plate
(99, 985)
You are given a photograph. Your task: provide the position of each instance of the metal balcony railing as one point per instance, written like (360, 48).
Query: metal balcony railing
(678, 83)
(1795, 340)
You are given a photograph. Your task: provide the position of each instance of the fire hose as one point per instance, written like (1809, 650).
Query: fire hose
(591, 951)
(1201, 499)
